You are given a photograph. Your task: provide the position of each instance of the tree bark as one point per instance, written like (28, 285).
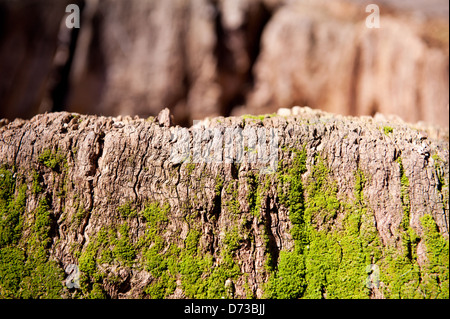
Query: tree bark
(137, 224)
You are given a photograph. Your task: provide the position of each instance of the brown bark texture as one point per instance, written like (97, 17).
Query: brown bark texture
(138, 224)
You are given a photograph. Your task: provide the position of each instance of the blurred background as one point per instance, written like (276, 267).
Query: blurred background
(205, 58)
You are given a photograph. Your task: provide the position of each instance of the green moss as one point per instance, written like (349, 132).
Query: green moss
(12, 208)
(80, 215)
(218, 186)
(322, 262)
(387, 130)
(435, 283)
(335, 239)
(192, 242)
(155, 215)
(218, 274)
(201, 276)
(253, 117)
(12, 268)
(438, 163)
(24, 252)
(336, 257)
(36, 186)
(331, 259)
(254, 194)
(248, 291)
(232, 193)
(123, 248)
(7, 183)
(97, 292)
(154, 260)
(42, 221)
(161, 258)
(87, 261)
(54, 160)
(289, 280)
(409, 238)
(190, 167)
(164, 286)
(127, 211)
(112, 245)
(400, 272)
(291, 193)
(404, 194)
(25, 268)
(44, 280)
(322, 204)
(32, 276)
(328, 259)
(400, 275)
(90, 276)
(232, 240)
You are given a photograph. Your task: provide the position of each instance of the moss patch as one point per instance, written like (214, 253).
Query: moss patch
(25, 268)
(337, 243)
(55, 160)
(387, 130)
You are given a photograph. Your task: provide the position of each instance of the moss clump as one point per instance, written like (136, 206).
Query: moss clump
(97, 251)
(328, 259)
(43, 278)
(81, 213)
(218, 186)
(123, 248)
(162, 287)
(253, 117)
(400, 275)
(232, 193)
(254, 194)
(127, 211)
(337, 254)
(201, 275)
(160, 257)
(191, 243)
(387, 130)
(435, 282)
(36, 186)
(290, 192)
(12, 261)
(409, 238)
(336, 241)
(156, 219)
(322, 204)
(12, 208)
(289, 280)
(112, 245)
(25, 268)
(54, 160)
(404, 194)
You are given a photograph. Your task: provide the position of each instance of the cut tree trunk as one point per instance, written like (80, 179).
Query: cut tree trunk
(104, 196)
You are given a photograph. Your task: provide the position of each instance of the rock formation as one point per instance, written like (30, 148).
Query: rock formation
(94, 207)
